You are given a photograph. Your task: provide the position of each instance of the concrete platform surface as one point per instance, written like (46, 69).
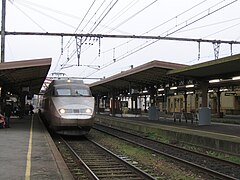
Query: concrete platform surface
(28, 152)
(218, 136)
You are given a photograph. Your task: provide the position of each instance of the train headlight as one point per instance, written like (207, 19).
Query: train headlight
(89, 111)
(62, 111)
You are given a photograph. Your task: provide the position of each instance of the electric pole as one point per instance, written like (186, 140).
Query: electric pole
(3, 31)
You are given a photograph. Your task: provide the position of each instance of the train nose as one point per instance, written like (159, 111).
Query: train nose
(81, 111)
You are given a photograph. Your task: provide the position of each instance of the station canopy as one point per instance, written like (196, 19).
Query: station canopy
(222, 71)
(161, 73)
(26, 75)
(146, 75)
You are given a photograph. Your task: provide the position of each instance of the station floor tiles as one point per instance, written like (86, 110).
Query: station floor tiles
(28, 152)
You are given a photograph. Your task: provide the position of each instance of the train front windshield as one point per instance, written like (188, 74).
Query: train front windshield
(72, 91)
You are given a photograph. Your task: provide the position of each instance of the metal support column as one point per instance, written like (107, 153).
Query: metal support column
(204, 110)
(3, 31)
(216, 47)
(219, 103)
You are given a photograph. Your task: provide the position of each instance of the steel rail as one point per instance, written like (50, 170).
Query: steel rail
(117, 135)
(92, 169)
(146, 175)
(81, 161)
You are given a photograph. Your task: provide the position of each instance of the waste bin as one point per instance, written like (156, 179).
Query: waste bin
(153, 113)
(204, 116)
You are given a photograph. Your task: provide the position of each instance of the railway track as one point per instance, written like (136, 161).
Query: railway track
(88, 160)
(214, 166)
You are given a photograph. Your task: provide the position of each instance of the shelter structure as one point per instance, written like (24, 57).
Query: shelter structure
(23, 78)
(141, 77)
(171, 78)
(215, 74)
(147, 77)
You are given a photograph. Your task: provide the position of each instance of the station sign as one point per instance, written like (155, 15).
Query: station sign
(25, 89)
(231, 94)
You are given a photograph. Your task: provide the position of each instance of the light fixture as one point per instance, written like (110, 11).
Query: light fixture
(236, 78)
(190, 92)
(173, 88)
(189, 86)
(62, 111)
(223, 90)
(160, 89)
(88, 111)
(214, 80)
(210, 90)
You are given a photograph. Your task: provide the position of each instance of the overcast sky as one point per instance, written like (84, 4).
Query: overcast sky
(206, 19)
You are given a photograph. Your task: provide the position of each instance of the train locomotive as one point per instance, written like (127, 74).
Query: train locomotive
(68, 107)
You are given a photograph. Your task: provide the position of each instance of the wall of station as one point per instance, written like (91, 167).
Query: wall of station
(230, 103)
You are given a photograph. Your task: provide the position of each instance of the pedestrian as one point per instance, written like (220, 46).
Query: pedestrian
(31, 109)
(27, 109)
(7, 114)
(2, 121)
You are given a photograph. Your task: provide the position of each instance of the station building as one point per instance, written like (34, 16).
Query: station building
(230, 102)
(172, 87)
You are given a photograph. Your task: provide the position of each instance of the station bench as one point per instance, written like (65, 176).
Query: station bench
(177, 115)
(187, 116)
(162, 114)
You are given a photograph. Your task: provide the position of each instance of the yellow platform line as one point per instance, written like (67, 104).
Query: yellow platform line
(29, 154)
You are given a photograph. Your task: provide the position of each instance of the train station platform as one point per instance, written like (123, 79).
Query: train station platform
(28, 152)
(219, 136)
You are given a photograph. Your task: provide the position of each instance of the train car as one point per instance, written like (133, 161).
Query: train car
(68, 107)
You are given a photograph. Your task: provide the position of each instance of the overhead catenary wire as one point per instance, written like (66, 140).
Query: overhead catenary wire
(144, 8)
(144, 46)
(102, 16)
(31, 6)
(100, 19)
(118, 15)
(71, 56)
(204, 16)
(198, 4)
(25, 2)
(47, 15)
(135, 14)
(29, 17)
(69, 41)
(165, 22)
(118, 51)
(224, 29)
(98, 9)
(132, 16)
(209, 25)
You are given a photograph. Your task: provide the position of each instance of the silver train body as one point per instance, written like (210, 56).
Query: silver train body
(68, 107)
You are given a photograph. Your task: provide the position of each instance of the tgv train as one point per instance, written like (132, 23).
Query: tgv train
(68, 107)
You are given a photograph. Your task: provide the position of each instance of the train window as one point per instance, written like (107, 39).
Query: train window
(81, 92)
(63, 92)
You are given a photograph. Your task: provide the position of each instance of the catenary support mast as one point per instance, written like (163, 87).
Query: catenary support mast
(3, 31)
